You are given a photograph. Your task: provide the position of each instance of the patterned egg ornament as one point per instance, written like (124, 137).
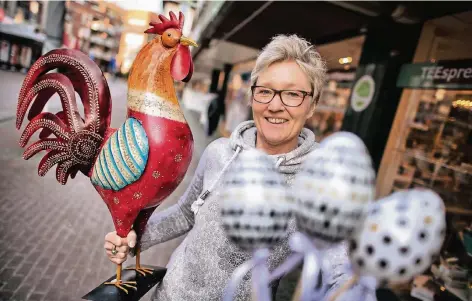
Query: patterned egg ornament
(256, 206)
(333, 189)
(401, 236)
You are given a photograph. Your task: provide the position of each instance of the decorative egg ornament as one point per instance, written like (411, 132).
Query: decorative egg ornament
(401, 236)
(333, 188)
(255, 214)
(256, 206)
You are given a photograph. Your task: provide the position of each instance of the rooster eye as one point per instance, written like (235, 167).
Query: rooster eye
(170, 38)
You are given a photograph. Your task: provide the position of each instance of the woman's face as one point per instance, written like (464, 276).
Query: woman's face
(276, 123)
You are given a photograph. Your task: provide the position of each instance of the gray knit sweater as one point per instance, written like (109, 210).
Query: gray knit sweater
(202, 265)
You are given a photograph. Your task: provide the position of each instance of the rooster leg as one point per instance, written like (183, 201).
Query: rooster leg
(138, 268)
(122, 285)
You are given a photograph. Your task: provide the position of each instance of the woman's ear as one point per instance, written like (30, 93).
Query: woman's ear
(311, 110)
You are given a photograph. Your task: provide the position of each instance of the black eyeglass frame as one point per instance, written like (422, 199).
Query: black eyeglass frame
(279, 92)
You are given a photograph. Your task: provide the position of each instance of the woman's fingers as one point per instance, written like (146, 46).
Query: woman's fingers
(109, 246)
(131, 239)
(118, 258)
(113, 238)
(114, 243)
(118, 255)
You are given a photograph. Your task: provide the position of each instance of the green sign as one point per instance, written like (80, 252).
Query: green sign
(443, 74)
(363, 92)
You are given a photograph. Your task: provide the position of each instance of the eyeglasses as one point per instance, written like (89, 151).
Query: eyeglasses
(290, 98)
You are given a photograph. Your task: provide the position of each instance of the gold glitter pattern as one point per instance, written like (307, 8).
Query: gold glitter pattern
(139, 138)
(126, 155)
(105, 173)
(119, 160)
(94, 178)
(428, 220)
(133, 148)
(114, 172)
(151, 104)
(374, 227)
(100, 177)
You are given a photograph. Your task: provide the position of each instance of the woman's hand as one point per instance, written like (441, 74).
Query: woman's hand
(117, 248)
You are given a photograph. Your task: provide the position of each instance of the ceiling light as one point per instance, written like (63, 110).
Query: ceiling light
(345, 60)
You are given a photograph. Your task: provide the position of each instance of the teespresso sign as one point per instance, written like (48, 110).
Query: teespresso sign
(443, 74)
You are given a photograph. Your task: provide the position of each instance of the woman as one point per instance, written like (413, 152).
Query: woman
(286, 84)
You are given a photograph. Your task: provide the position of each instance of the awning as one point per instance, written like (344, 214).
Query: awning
(252, 24)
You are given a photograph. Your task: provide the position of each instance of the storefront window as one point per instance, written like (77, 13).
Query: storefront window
(434, 149)
(342, 59)
(437, 150)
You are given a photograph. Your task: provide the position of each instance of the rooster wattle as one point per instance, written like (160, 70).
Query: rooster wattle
(135, 167)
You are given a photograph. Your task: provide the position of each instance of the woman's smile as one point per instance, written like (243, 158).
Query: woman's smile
(276, 121)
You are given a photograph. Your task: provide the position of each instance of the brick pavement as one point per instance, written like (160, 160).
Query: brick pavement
(51, 236)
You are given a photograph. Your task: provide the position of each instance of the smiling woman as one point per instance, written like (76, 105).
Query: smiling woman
(286, 84)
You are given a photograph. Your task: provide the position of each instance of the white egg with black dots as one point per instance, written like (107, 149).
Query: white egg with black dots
(333, 188)
(401, 236)
(256, 205)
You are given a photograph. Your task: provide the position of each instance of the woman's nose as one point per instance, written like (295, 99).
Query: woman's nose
(276, 104)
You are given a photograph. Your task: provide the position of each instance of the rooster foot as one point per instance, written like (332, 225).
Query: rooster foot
(122, 284)
(142, 271)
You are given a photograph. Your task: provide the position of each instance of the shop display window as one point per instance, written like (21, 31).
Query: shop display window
(435, 147)
(437, 150)
(342, 59)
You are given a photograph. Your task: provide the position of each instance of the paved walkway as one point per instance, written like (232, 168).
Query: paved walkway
(51, 236)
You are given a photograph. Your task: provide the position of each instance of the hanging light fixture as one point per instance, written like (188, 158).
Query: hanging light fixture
(345, 60)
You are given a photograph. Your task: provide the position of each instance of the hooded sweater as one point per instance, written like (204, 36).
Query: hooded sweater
(202, 265)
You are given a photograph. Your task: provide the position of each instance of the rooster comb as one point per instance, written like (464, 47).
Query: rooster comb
(159, 28)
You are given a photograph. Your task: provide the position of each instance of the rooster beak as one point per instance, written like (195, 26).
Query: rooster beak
(186, 41)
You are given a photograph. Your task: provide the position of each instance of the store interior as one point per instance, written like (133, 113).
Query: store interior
(342, 59)
(435, 151)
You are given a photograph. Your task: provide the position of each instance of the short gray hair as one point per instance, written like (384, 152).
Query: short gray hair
(293, 47)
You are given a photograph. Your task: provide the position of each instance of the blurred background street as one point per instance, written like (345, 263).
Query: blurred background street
(399, 77)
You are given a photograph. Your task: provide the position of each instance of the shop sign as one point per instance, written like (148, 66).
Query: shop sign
(443, 74)
(362, 93)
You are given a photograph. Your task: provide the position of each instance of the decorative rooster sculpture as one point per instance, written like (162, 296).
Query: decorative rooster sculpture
(133, 168)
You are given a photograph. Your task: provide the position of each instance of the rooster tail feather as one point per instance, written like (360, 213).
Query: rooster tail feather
(49, 160)
(45, 133)
(39, 103)
(73, 171)
(45, 120)
(63, 171)
(78, 139)
(81, 73)
(45, 144)
(45, 87)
